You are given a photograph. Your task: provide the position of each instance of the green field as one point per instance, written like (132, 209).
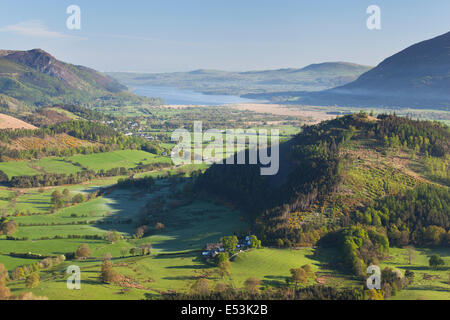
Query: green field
(123, 158)
(115, 159)
(436, 288)
(19, 168)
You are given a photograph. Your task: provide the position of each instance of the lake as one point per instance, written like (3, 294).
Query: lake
(175, 96)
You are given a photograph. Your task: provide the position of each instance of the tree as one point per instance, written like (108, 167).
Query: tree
(309, 270)
(409, 276)
(66, 195)
(299, 275)
(4, 293)
(373, 294)
(224, 268)
(83, 251)
(108, 274)
(18, 273)
(201, 287)
(436, 261)
(146, 249)
(434, 234)
(4, 276)
(56, 195)
(222, 256)
(3, 177)
(78, 198)
(159, 226)
(255, 243)
(140, 231)
(32, 280)
(411, 254)
(280, 243)
(252, 284)
(7, 227)
(113, 236)
(229, 243)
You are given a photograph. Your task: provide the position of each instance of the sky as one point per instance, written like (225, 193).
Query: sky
(233, 35)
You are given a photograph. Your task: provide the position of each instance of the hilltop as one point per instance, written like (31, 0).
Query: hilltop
(312, 78)
(383, 179)
(35, 78)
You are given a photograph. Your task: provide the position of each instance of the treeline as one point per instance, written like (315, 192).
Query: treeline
(309, 293)
(59, 179)
(432, 138)
(420, 216)
(145, 183)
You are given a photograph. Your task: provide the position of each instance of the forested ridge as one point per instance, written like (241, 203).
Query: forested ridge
(311, 167)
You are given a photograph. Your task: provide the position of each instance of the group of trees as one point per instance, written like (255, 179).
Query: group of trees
(203, 289)
(60, 200)
(358, 247)
(5, 293)
(58, 179)
(393, 280)
(431, 138)
(7, 226)
(108, 274)
(419, 216)
(301, 275)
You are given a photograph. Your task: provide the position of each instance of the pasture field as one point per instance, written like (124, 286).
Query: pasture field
(177, 272)
(38, 200)
(122, 158)
(18, 168)
(54, 165)
(436, 287)
(272, 267)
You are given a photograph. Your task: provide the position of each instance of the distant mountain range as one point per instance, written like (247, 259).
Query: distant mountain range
(36, 78)
(311, 78)
(418, 76)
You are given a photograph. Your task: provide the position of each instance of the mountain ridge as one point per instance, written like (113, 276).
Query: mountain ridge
(312, 77)
(36, 78)
(418, 76)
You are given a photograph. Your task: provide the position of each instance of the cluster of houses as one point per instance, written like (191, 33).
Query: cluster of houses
(213, 249)
(133, 129)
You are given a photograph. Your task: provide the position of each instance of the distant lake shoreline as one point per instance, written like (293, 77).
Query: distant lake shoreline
(175, 96)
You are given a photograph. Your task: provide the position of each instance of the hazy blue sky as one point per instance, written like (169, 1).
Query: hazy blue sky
(167, 35)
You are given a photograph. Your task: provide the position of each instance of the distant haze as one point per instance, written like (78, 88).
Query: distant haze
(234, 35)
